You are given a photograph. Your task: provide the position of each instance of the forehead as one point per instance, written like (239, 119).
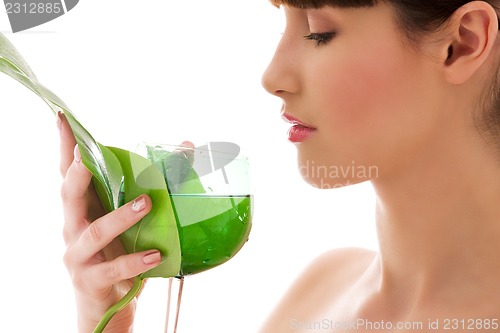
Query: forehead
(323, 3)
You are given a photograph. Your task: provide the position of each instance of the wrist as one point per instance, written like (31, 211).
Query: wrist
(114, 326)
(91, 313)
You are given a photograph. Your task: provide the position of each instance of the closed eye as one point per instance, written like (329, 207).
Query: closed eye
(321, 38)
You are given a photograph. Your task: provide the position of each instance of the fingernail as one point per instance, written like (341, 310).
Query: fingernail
(78, 156)
(139, 204)
(59, 120)
(152, 258)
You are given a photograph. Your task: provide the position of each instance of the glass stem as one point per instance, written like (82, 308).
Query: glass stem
(179, 284)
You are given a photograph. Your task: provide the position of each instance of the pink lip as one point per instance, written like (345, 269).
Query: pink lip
(299, 131)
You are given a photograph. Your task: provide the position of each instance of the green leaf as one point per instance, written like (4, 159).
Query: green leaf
(158, 230)
(13, 64)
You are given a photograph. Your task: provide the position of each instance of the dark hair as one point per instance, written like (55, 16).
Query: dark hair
(417, 17)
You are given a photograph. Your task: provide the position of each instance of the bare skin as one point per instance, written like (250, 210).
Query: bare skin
(438, 217)
(376, 101)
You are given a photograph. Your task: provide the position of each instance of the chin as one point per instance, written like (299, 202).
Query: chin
(328, 184)
(330, 176)
(334, 171)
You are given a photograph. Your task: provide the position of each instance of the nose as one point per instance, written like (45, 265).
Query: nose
(282, 73)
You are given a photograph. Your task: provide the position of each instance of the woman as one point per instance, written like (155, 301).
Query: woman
(411, 88)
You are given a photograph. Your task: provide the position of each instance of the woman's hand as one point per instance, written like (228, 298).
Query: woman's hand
(100, 269)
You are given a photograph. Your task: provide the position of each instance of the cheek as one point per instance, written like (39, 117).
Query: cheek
(366, 105)
(366, 96)
(365, 91)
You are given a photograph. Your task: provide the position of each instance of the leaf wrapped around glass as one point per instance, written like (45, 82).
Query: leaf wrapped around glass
(202, 205)
(208, 207)
(210, 197)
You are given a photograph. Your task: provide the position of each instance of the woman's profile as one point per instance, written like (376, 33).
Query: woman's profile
(411, 87)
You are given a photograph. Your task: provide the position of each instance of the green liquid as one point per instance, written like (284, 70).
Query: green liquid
(212, 229)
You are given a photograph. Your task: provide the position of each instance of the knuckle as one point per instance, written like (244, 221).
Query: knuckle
(130, 266)
(71, 258)
(112, 272)
(77, 281)
(94, 232)
(69, 190)
(123, 216)
(73, 268)
(67, 259)
(64, 190)
(63, 170)
(66, 234)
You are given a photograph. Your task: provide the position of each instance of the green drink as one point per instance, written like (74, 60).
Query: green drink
(212, 229)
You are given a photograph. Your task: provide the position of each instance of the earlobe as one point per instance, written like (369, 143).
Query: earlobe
(473, 32)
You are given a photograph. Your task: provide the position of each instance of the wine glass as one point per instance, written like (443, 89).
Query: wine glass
(210, 194)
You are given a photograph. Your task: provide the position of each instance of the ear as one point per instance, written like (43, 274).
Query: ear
(472, 32)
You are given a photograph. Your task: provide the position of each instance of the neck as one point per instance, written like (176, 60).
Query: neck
(438, 223)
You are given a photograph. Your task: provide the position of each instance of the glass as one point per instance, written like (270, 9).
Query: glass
(209, 189)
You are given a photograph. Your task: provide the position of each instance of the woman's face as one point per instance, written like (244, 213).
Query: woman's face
(360, 98)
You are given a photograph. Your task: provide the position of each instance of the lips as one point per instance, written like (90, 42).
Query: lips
(300, 131)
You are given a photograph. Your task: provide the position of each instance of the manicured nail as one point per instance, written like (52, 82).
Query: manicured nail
(78, 156)
(139, 204)
(152, 258)
(59, 120)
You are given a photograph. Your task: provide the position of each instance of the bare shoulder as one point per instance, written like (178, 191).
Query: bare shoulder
(319, 286)
(333, 271)
(341, 261)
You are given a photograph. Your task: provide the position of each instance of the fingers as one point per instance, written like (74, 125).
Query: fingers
(75, 196)
(187, 144)
(102, 231)
(187, 148)
(68, 142)
(108, 273)
(85, 260)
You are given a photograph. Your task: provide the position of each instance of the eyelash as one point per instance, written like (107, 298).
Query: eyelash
(321, 38)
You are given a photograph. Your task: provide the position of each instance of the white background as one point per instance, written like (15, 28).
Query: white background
(161, 71)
